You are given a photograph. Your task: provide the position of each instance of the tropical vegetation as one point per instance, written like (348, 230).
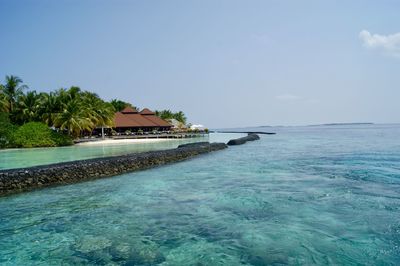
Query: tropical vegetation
(30, 119)
(68, 112)
(168, 114)
(37, 134)
(120, 105)
(6, 131)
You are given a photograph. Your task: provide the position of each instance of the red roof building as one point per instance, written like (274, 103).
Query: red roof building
(146, 120)
(147, 111)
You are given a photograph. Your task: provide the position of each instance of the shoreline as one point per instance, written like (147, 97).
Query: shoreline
(106, 141)
(119, 141)
(96, 142)
(245, 132)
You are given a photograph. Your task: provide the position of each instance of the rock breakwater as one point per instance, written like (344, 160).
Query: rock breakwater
(23, 179)
(243, 140)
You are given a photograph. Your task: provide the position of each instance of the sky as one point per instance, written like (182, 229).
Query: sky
(225, 63)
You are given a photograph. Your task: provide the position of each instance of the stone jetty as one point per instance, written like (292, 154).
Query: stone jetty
(23, 179)
(243, 140)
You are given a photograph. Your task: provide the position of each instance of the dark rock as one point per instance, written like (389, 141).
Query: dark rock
(243, 140)
(238, 141)
(193, 144)
(17, 180)
(252, 137)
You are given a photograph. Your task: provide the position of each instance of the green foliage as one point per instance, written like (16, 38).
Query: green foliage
(120, 105)
(4, 105)
(27, 108)
(72, 110)
(36, 134)
(168, 114)
(12, 90)
(180, 116)
(50, 107)
(6, 131)
(101, 113)
(68, 110)
(76, 111)
(61, 139)
(74, 118)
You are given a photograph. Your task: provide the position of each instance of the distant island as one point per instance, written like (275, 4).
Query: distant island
(341, 124)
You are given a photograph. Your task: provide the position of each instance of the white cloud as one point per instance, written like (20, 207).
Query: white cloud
(287, 97)
(389, 44)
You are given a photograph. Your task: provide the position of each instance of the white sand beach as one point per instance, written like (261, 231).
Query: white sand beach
(121, 141)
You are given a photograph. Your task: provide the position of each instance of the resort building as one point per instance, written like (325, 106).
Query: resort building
(130, 119)
(197, 127)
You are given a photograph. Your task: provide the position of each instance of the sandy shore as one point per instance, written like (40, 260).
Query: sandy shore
(120, 141)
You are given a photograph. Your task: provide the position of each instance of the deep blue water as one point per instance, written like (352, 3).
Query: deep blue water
(306, 196)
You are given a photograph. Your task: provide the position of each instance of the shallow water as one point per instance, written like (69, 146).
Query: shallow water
(17, 158)
(310, 195)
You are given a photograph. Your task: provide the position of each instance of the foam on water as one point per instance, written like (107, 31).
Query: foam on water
(304, 196)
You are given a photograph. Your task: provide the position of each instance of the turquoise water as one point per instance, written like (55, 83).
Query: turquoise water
(17, 158)
(306, 196)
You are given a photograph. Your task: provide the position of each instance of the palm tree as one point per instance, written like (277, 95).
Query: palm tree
(50, 107)
(12, 90)
(74, 92)
(180, 116)
(120, 105)
(101, 113)
(104, 114)
(66, 95)
(165, 114)
(4, 106)
(27, 107)
(168, 114)
(74, 118)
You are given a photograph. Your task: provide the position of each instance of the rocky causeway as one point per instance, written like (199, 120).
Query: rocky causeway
(24, 179)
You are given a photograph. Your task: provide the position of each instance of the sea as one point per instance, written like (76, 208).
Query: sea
(316, 195)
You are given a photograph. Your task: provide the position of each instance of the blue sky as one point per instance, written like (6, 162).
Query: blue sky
(224, 63)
